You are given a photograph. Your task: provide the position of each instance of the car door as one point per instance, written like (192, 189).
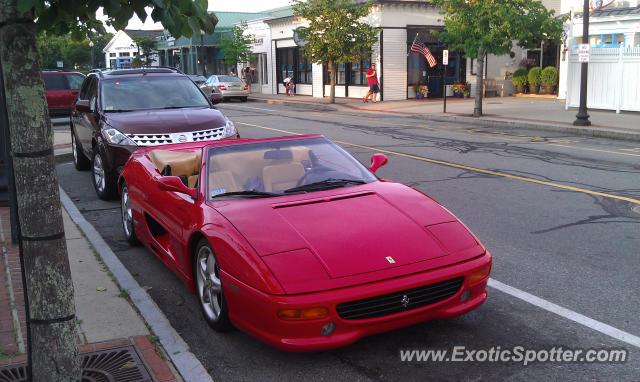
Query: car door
(74, 82)
(56, 87)
(83, 117)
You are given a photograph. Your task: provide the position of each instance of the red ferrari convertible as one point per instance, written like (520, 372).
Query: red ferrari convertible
(295, 242)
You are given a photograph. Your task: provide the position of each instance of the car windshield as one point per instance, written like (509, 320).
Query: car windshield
(150, 92)
(275, 168)
(228, 79)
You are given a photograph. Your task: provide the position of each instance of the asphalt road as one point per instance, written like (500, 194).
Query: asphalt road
(560, 214)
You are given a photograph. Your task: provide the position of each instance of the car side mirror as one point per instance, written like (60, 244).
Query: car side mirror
(377, 161)
(173, 183)
(82, 105)
(216, 98)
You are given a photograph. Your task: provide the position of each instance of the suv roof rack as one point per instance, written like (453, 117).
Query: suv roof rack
(140, 69)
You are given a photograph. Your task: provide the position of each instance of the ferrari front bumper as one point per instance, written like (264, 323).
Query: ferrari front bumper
(257, 313)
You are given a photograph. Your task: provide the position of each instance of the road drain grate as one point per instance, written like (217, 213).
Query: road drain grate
(113, 365)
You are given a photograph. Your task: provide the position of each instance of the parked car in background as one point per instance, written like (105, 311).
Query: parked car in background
(294, 241)
(229, 87)
(118, 111)
(61, 90)
(197, 79)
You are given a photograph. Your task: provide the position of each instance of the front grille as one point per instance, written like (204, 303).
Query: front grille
(399, 301)
(189, 136)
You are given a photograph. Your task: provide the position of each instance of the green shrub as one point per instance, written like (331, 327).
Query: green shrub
(535, 76)
(520, 77)
(550, 76)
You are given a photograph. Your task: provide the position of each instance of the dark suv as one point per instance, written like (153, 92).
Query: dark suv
(120, 110)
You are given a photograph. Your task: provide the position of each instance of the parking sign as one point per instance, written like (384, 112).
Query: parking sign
(445, 57)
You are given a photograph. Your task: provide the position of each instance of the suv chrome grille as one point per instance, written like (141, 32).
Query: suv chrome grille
(189, 136)
(379, 306)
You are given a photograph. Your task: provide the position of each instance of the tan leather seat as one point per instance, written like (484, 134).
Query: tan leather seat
(222, 181)
(182, 163)
(280, 177)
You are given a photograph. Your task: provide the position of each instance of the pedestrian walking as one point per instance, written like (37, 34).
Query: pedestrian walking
(374, 88)
(289, 86)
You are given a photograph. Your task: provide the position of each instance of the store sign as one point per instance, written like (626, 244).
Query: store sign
(445, 57)
(584, 51)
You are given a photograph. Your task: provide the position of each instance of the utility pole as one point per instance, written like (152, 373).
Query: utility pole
(582, 118)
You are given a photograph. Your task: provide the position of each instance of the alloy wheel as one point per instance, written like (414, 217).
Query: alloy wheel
(209, 285)
(98, 173)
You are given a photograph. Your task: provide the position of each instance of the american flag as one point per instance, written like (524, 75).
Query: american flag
(419, 47)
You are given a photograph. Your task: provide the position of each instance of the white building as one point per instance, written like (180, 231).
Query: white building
(614, 66)
(122, 49)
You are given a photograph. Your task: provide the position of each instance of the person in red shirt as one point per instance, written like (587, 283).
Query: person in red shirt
(374, 88)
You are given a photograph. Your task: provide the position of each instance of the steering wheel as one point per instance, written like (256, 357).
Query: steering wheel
(312, 171)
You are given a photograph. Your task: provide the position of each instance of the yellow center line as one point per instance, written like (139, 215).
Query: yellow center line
(469, 168)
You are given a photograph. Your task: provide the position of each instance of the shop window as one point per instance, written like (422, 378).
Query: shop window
(112, 54)
(358, 74)
(636, 40)
(125, 54)
(606, 40)
(285, 64)
(340, 77)
(305, 75)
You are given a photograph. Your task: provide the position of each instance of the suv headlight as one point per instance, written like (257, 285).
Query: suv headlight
(117, 138)
(229, 129)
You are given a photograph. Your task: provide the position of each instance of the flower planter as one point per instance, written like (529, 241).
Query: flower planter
(534, 89)
(419, 96)
(458, 95)
(549, 89)
(520, 89)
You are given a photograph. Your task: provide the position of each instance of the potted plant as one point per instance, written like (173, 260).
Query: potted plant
(421, 91)
(549, 79)
(535, 78)
(519, 79)
(458, 90)
(467, 90)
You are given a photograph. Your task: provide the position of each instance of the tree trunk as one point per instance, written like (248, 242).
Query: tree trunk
(477, 110)
(53, 352)
(332, 82)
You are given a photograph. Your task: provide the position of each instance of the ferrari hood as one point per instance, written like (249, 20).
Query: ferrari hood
(349, 232)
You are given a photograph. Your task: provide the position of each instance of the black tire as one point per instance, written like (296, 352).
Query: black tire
(80, 161)
(128, 226)
(104, 183)
(244, 99)
(217, 320)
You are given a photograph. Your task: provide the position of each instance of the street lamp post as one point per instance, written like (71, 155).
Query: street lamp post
(91, 44)
(582, 118)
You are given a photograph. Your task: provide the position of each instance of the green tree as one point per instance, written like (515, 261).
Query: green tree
(53, 352)
(236, 47)
(336, 32)
(100, 40)
(147, 50)
(480, 27)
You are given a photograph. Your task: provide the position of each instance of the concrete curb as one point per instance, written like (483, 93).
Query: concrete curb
(589, 131)
(178, 351)
(303, 105)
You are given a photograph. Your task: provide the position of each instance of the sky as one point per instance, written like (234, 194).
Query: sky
(214, 5)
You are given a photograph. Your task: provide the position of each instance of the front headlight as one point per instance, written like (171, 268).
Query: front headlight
(229, 129)
(117, 138)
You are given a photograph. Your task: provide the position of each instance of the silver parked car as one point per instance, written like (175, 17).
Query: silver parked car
(229, 86)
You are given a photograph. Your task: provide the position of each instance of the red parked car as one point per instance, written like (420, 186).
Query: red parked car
(295, 242)
(62, 89)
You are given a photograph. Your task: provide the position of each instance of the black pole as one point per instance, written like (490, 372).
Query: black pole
(582, 118)
(444, 87)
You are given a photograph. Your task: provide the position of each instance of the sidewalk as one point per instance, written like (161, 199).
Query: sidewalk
(101, 310)
(529, 113)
